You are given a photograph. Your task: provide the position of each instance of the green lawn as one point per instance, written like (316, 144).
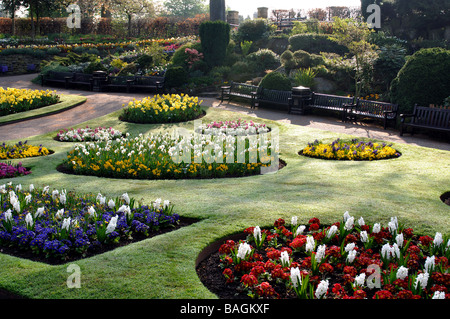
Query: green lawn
(164, 267)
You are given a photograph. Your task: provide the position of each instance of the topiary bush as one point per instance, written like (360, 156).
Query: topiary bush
(176, 77)
(424, 79)
(253, 30)
(180, 56)
(215, 37)
(315, 43)
(276, 81)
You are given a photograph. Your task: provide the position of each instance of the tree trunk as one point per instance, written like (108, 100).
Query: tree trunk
(32, 21)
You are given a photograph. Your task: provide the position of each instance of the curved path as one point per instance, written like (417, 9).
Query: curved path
(102, 103)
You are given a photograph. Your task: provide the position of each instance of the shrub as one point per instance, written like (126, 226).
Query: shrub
(176, 77)
(424, 79)
(94, 66)
(315, 43)
(253, 30)
(302, 58)
(181, 57)
(276, 81)
(215, 37)
(265, 59)
(305, 77)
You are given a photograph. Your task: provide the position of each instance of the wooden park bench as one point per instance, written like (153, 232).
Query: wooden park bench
(155, 83)
(272, 97)
(54, 77)
(118, 82)
(430, 118)
(82, 79)
(240, 90)
(373, 109)
(340, 104)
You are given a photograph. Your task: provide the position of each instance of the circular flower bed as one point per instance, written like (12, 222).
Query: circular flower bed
(22, 150)
(59, 226)
(164, 156)
(347, 260)
(88, 134)
(445, 198)
(163, 109)
(8, 170)
(21, 100)
(353, 150)
(237, 128)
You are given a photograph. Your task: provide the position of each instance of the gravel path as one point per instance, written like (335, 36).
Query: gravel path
(101, 103)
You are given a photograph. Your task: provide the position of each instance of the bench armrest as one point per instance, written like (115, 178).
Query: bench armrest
(407, 115)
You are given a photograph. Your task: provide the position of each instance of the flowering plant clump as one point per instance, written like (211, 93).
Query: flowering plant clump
(20, 100)
(350, 150)
(22, 150)
(237, 128)
(88, 134)
(164, 156)
(62, 225)
(347, 260)
(8, 170)
(163, 109)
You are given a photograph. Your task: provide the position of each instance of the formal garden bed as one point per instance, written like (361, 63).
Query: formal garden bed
(21, 100)
(9, 170)
(56, 226)
(354, 150)
(22, 150)
(160, 109)
(164, 156)
(349, 259)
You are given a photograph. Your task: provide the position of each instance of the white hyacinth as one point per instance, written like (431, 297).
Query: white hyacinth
(332, 231)
(66, 223)
(31, 188)
(364, 237)
(402, 272)
(322, 289)
(376, 228)
(28, 199)
(439, 295)
(29, 220)
(63, 197)
(300, 230)
(346, 216)
(296, 277)
(257, 233)
(8, 216)
(351, 256)
(111, 204)
(310, 244)
(39, 212)
(349, 223)
(91, 211)
(126, 198)
(284, 259)
(430, 264)
(320, 253)
(243, 250)
(360, 279)
(421, 279)
(349, 247)
(361, 221)
(393, 225)
(438, 240)
(294, 220)
(112, 225)
(399, 240)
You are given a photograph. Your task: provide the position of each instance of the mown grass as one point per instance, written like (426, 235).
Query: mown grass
(164, 266)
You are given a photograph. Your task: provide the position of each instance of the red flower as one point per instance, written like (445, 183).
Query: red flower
(249, 280)
(273, 254)
(334, 251)
(298, 242)
(279, 222)
(314, 220)
(350, 270)
(326, 267)
(405, 294)
(265, 290)
(425, 240)
(408, 232)
(350, 238)
(228, 273)
(257, 270)
(383, 294)
(314, 227)
(359, 294)
(227, 247)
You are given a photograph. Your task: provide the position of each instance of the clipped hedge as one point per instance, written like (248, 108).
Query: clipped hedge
(214, 37)
(276, 81)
